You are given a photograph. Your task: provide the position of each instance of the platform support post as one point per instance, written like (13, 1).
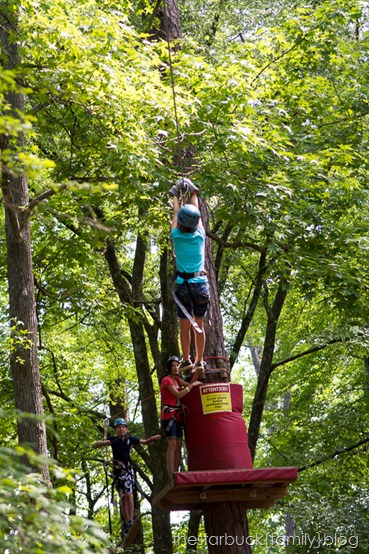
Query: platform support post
(226, 527)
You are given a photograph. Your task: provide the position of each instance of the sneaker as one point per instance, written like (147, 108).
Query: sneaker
(198, 368)
(185, 364)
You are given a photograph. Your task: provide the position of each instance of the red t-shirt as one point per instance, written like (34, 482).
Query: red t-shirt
(167, 398)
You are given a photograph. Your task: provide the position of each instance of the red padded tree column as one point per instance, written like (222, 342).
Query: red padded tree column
(216, 435)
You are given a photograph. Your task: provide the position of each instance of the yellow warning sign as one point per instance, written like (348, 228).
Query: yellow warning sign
(216, 398)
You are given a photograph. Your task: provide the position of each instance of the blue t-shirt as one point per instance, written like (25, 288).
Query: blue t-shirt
(121, 448)
(190, 253)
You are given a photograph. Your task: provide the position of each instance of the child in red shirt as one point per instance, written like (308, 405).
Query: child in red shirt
(172, 389)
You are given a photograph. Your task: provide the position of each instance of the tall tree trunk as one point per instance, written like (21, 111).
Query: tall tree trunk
(170, 25)
(193, 527)
(290, 526)
(214, 345)
(22, 306)
(169, 338)
(156, 461)
(226, 528)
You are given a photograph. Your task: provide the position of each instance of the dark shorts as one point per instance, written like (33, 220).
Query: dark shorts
(173, 429)
(194, 297)
(125, 482)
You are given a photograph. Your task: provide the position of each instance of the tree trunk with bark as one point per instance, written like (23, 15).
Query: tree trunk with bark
(169, 338)
(215, 353)
(250, 311)
(169, 27)
(226, 523)
(193, 527)
(214, 346)
(226, 528)
(22, 306)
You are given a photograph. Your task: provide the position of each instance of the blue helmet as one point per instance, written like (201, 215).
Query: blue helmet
(188, 216)
(119, 421)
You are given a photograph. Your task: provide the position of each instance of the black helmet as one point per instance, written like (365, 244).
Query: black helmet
(172, 359)
(188, 216)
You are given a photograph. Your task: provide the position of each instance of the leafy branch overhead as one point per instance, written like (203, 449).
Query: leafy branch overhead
(272, 106)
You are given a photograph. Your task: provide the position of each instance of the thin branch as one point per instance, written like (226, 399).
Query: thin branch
(249, 313)
(334, 455)
(214, 26)
(220, 252)
(44, 195)
(343, 120)
(239, 244)
(286, 52)
(53, 439)
(306, 353)
(153, 15)
(69, 400)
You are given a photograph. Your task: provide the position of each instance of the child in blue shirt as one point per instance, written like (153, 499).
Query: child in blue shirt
(192, 287)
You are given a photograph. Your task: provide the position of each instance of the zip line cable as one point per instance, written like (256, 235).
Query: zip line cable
(171, 72)
(108, 496)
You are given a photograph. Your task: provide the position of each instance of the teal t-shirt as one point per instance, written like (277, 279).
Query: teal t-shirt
(189, 249)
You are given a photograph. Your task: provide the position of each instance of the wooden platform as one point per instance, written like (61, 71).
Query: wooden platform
(258, 488)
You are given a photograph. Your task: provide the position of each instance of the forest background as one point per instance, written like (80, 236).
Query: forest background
(272, 103)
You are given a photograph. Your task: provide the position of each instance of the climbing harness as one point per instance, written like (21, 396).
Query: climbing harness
(123, 479)
(177, 415)
(187, 276)
(186, 313)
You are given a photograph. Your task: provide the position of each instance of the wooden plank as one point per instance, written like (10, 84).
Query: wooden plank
(250, 505)
(221, 486)
(225, 495)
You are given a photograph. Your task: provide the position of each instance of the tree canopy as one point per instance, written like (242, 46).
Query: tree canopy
(272, 107)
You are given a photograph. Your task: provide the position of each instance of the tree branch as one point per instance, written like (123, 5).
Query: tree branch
(286, 52)
(153, 15)
(273, 314)
(239, 244)
(44, 195)
(214, 26)
(69, 400)
(306, 353)
(247, 318)
(53, 439)
(221, 248)
(334, 454)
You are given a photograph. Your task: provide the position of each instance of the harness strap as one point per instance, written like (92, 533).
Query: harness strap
(186, 276)
(187, 284)
(170, 424)
(170, 408)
